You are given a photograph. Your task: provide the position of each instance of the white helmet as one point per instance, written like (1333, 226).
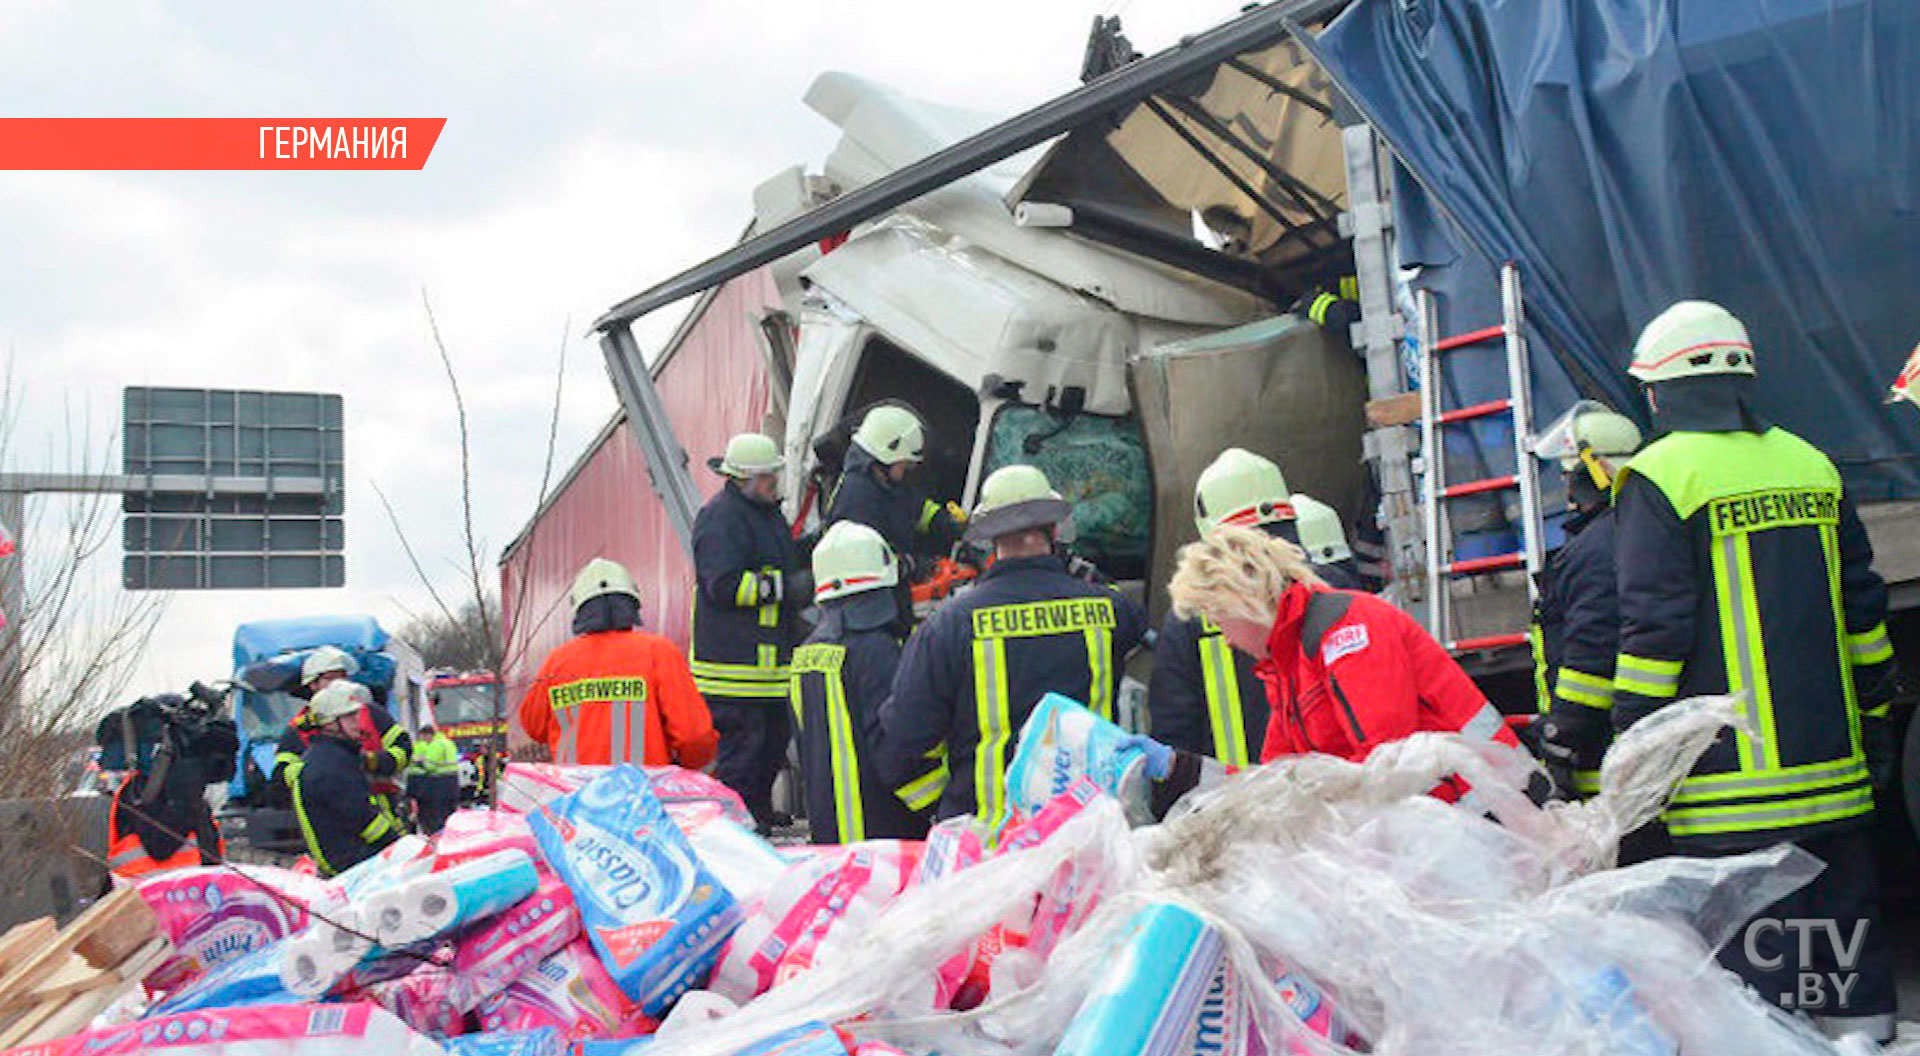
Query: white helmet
(324, 660)
(1242, 489)
(339, 700)
(852, 558)
(1321, 534)
(1689, 340)
(892, 434)
(748, 455)
(600, 577)
(1015, 499)
(1589, 426)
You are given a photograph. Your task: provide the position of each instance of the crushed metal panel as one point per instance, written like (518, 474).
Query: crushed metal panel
(1281, 387)
(970, 314)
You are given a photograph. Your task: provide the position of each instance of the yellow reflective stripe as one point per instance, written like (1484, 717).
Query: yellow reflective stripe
(568, 754)
(1594, 691)
(1745, 652)
(747, 594)
(1350, 287)
(1222, 684)
(306, 831)
(1542, 699)
(921, 793)
(1645, 677)
(850, 814)
(713, 687)
(379, 826)
(769, 615)
(1830, 542)
(772, 672)
(796, 696)
(1586, 782)
(928, 511)
(1868, 647)
(1703, 821)
(1318, 312)
(1100, 671)
(995, 722)
(1812, 777)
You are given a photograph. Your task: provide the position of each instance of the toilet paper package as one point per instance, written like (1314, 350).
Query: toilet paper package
(570, 992)
(424, 907)
(216, 915)
(655, 914)
(1062, 742)
(494, 955)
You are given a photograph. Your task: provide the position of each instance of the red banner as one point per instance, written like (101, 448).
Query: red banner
(217, 142)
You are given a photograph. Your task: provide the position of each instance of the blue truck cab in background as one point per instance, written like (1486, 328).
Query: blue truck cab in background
(267, 657)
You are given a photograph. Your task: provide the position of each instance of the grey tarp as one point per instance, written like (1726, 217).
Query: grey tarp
(1631, 153)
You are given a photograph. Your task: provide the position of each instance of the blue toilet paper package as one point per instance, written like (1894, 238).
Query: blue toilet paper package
(654, 914)
(1148, 999)
(1061, 741)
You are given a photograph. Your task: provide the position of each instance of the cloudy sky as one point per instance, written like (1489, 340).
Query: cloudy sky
(590, 149)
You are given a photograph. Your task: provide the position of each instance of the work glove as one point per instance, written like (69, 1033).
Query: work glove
(1880, 739)
(1572, 737)
(1182, 775)
(956, 513)
(1160, 757)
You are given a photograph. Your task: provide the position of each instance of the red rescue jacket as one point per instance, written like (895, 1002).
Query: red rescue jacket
(1372, 677)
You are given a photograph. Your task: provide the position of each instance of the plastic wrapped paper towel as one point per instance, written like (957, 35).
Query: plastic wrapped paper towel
(424, 907)
(1063, 742)
(216, 915)
(570, 992)
(492, 956)
(656, 915)
(526, 787)
(270, 1030)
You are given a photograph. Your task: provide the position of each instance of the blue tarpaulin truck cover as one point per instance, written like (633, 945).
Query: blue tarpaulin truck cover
(1631, 153)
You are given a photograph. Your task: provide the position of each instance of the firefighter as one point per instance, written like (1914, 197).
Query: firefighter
(1333, 308)
(1204, 697)
(386, 750)
(433, 780)
(1325, 542)
(840, 677)
(1743, 568)
(1576, 629)
(874, 488)
(615, 693)
(1347, 671)
(747, 597)
(343, 821)
(971, 674)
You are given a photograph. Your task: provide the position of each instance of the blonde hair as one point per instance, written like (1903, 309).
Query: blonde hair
(1236, 573)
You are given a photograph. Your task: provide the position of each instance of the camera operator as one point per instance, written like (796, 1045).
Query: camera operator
(173, 747)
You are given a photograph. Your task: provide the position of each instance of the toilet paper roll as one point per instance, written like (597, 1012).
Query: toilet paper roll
(313, 962)
(423, 907)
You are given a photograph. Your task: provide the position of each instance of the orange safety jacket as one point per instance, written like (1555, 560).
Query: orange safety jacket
(127, 857)
(619, 697)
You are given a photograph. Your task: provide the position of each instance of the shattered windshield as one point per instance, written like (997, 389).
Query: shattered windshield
(1097, 463)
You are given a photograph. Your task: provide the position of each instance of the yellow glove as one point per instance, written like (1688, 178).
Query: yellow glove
(957, 513)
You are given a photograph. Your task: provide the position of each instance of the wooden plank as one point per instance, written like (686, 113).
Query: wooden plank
(113, 929)
(1389, 411)
(23, 940)
(73, 1014)
(73, 977)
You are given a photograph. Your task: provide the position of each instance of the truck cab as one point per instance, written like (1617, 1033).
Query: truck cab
(467, 707)
(267, 657)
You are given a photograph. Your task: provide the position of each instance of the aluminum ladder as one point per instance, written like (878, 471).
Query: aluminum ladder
(1437, 491)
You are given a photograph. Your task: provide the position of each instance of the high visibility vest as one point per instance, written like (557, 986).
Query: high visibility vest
(127, 857)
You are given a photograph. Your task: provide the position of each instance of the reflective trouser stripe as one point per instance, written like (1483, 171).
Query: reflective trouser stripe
(1542, 699)
(924, 791)
(1745, 652)
(1811, 778)
(1646, 677)
(850, 817)
(1100, 671)
(1222, 683)
(1594, 691)
(1870, 647)
(995, 723)
(1751, 817)
(568, 754)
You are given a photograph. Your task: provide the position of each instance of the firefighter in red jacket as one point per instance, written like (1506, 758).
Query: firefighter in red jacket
(1347, 671)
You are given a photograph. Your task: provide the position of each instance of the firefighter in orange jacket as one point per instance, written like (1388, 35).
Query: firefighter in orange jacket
(615, 693)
